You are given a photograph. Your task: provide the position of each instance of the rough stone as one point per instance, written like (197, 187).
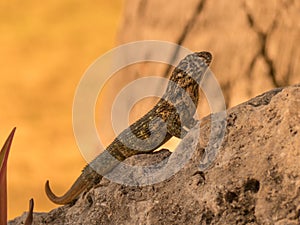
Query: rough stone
(255, 44)
(254, 179)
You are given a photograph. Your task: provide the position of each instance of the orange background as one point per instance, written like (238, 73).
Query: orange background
(45, 49)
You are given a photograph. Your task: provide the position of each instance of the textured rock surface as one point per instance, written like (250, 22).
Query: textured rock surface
(255, 178)
(255, 44)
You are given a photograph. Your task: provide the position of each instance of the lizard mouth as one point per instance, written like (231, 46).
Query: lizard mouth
(206, 56)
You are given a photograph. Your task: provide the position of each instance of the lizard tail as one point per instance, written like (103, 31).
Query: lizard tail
(78, 187)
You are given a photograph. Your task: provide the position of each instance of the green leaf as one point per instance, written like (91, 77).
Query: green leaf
(3, 168)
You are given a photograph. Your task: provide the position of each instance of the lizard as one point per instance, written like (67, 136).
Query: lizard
(169, 117)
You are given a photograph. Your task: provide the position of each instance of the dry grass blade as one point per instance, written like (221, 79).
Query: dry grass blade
(3, 164)
(29, 218)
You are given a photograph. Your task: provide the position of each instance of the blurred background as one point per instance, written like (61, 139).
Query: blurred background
(45, 49)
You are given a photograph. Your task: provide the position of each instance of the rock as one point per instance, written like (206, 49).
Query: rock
(255, 44)
(254, 179)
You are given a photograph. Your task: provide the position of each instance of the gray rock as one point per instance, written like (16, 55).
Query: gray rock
(254, 179)
(255, 44)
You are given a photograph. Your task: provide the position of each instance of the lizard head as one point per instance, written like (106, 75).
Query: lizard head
(188, 75)
(183, 89)
(206, 56)
(192, 66)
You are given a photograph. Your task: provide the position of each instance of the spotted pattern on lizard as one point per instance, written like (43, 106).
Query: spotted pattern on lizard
(173, 112)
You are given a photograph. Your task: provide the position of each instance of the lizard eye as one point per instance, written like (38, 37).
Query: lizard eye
(183, 66)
